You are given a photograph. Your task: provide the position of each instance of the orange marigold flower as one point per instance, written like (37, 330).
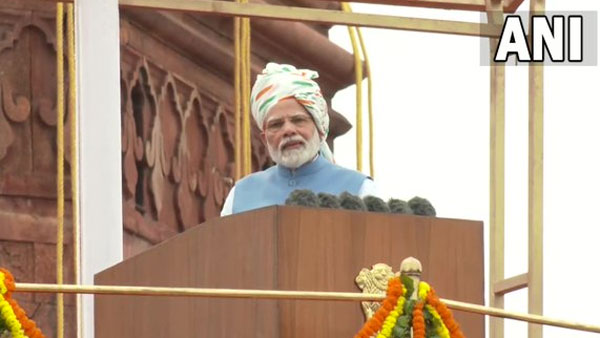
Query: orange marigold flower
(9, 280)
(28, 325)
(446, 315)
(378, 322)
(396, 292)
(393, 284)
(388, 307)
(418, 321)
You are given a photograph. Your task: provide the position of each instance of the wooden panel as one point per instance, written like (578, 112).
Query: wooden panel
(325, 251)
(289, 249)
(219, 253)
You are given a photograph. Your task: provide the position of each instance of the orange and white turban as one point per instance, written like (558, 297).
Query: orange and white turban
(279, 82)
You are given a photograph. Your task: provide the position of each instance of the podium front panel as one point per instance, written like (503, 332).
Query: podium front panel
(288, 248)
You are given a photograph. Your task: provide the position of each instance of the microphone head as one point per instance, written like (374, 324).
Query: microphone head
(303, 197)
(328, 201)
(351, 202)
(375, 204)
(421, 206)
(399, 206)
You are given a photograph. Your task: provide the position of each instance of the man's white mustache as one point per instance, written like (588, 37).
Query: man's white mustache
(291, 139)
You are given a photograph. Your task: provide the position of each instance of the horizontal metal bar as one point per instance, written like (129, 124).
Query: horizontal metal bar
(278, 294)
(510, 6)
(332, 17)
(194, 292)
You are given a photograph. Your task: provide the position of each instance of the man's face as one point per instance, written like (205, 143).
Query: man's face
(291, 134)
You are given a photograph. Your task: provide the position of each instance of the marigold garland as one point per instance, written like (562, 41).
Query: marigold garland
(390, 321)
(418, 321)
(374, 324)
(446, 315)
(440, 328)
(397, 315)
(7, 314)
(11, 313)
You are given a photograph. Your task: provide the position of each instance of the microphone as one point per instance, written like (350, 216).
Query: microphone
(375, 204)
(351, 202)
(399, 206)
(421, 206)
(328, 201)
(303, 197)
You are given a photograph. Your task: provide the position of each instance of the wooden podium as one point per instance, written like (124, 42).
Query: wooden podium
(287, 248)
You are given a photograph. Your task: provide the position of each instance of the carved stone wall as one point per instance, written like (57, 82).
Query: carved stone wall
(178, 140)
(177, 151)
(28, 160)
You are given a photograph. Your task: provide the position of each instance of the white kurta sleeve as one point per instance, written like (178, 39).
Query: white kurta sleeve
(228, 205)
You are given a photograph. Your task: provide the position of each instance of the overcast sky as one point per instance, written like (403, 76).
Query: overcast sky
(431, 106)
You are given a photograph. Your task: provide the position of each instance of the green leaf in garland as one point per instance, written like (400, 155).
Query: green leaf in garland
(404, 322)
(3, 326)
(408, 284)
(430, 327)
(409, 305)
(402, 328)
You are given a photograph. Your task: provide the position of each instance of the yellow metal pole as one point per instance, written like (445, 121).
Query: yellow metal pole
(246, 91)
(237, 97)
(245, 95)
(536, 181)
(369, 103)
(60, 191)
(74, 158)
(358, 81)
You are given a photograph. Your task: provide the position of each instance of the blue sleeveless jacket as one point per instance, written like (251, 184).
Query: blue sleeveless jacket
(273, 186)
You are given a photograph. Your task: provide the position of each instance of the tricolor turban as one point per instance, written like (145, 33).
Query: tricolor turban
(279, 82)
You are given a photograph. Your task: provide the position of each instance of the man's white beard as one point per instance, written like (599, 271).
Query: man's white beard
(294, 158)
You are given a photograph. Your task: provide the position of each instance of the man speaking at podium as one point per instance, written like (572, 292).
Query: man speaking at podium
(291, 113)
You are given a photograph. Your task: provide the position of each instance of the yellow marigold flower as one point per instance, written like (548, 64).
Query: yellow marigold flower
(3, 288)
(7, 313)
(424, 289)
(441, 329)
